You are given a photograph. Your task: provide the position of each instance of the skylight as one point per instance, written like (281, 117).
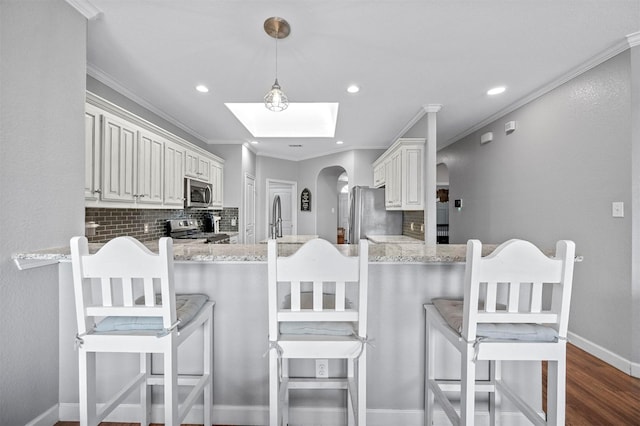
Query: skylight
(300, 120)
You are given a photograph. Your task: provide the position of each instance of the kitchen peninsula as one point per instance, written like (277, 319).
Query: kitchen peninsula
(402, 277)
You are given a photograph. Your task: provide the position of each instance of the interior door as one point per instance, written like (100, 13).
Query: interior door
(249, 209)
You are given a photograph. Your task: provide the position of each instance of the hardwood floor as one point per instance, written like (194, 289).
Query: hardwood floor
(597, 394)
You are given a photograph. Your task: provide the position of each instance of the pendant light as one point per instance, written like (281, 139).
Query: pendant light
(275, 100)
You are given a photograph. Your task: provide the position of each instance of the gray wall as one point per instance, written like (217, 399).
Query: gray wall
(635, 207)
(106, 92)
(233, 173)
(326, 203)
(555, 178)
(357, 164)
(42, 88)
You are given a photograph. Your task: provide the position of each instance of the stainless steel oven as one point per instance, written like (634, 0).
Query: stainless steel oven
(190, 229)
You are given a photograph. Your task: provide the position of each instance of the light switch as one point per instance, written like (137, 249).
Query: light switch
(617, 209)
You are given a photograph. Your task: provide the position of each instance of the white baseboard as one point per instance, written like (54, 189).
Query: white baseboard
(613, 359)
(300, 416)
(48, 418)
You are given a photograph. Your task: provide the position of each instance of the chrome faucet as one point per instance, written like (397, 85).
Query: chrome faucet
(276, 217)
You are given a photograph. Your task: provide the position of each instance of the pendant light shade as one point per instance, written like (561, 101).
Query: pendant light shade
(275, 99)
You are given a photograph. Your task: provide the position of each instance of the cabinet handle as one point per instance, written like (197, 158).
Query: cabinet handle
(97, 191)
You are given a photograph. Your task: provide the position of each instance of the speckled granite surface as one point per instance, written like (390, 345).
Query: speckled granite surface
(196, 252)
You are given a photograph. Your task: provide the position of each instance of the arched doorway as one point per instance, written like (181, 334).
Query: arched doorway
(329, 214)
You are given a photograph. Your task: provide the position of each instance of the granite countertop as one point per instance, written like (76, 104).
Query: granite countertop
(293, 239)
(380, 253)
(394, 239)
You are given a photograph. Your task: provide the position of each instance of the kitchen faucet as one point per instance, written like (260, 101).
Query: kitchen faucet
(276, 217)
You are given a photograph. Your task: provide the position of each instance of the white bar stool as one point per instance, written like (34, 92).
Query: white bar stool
(524, 328)
(135, 310)
(319, 324)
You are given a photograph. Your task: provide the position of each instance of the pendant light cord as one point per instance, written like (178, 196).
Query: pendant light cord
(276, 55)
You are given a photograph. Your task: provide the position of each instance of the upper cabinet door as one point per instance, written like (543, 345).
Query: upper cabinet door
(217, 184)
(92, 187)
(400, 171)
(174, 160)
(119, 157)
(412, 178)
(198, 166)
(149, 184)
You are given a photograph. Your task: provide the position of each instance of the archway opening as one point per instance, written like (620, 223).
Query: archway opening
(332, 204)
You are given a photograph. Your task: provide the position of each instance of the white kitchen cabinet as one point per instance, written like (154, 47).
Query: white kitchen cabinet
(412, 177)
(198, 166)
(379, 175)
(131, 163)
(149, 168)
(393, 169)
(119, 159)
(174, 160)
(217, 184)
(92, 155)
(403, 174)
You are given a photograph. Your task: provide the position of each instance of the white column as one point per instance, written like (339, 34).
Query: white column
(430, 149)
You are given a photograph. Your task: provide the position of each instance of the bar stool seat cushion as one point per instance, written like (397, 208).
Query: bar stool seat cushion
(187, 307)
(324, 328)
(452, 312)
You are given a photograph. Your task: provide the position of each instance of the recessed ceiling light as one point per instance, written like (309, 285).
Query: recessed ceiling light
(254, 142)
(353, 89)
(202, 88)
(339, 142)
(496, 90)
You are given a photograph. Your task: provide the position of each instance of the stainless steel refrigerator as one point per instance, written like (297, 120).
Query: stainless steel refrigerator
(368, 216)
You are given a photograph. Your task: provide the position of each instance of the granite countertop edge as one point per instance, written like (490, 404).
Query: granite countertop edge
(391, 253)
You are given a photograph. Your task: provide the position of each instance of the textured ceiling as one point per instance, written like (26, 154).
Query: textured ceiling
(403, 55)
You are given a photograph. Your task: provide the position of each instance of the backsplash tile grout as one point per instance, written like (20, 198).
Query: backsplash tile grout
(118, 222)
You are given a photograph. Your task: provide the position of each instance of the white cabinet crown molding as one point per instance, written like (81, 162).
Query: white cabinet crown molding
(86, 8)
(112, 108)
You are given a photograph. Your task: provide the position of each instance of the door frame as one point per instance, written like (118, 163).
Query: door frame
(294, 197)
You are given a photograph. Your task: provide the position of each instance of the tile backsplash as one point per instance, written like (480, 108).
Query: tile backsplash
(117, 222)
(415, 217)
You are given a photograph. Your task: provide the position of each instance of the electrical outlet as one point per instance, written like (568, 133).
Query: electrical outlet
(322, 368)
(146, 228)
(617, 209)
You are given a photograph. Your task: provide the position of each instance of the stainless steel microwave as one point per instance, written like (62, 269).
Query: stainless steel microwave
(197, 194)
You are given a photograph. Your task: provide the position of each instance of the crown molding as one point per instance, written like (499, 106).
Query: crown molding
(432, 107)
(633, 39)
(106, 79)
(617, 48)
(421, 112)
(85, 8)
